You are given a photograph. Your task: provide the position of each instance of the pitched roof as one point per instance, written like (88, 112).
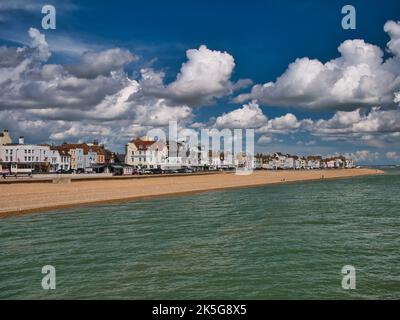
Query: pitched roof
(142, 144)
(98, 149)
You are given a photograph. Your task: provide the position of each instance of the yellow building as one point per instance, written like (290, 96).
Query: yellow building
(5, 138)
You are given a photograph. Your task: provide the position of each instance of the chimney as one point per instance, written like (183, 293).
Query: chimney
(95, 142)
(21, 140)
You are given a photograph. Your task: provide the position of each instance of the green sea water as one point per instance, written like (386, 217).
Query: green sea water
(275, 242)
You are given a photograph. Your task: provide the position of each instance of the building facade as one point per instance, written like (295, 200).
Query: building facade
(25, 155)
(5, 137)
(146, 153)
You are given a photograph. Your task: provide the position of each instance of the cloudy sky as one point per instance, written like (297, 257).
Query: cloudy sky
(114, 70)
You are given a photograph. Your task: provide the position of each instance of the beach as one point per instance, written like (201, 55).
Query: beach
(22, 198)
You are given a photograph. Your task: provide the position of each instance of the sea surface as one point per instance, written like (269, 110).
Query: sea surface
(275, 242)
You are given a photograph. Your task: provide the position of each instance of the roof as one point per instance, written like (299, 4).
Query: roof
(98, 149)
(314, 158)
(142, 144)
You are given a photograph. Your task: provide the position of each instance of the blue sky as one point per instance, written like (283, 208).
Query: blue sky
(262, 37)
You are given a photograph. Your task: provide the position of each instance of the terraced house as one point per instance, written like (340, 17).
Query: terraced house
(85, 156)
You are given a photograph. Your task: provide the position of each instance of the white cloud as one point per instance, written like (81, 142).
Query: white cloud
(206, 75)
(78, 130)
(392, 155)
(285, 124)
(94, 64)
(58, 102)
(376, 121)
(249, 116)
(39, 43)
(397, 97)
(393, 29)
(264, 139)
(358, 78)
(363, 156)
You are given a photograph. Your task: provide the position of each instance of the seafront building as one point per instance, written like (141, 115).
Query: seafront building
(147, 153)
(87, 157)
(31, 156)
(59, 160)
(279, 161)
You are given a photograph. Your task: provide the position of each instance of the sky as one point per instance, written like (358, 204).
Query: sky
(113, 70)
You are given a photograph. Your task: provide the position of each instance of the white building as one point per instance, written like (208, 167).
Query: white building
(59, 160)
(314, 162)
(349, 163)
(146, 153)
(289, 162)
(25, 155)
(280, 161)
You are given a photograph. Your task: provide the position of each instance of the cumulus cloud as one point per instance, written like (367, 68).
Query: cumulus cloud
(377, 121)
(285, 124)
(363, 156)
(393, 29)
(359, 77)
(93, 97)
(204, 77)
(28, 82)
(249, 116)
(264, 139)
(39, 43)
(392, 155)
(103, 63)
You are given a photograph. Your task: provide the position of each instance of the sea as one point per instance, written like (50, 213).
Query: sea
(287, 241)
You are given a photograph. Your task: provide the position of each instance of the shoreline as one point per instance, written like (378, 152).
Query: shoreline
(25, 198)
